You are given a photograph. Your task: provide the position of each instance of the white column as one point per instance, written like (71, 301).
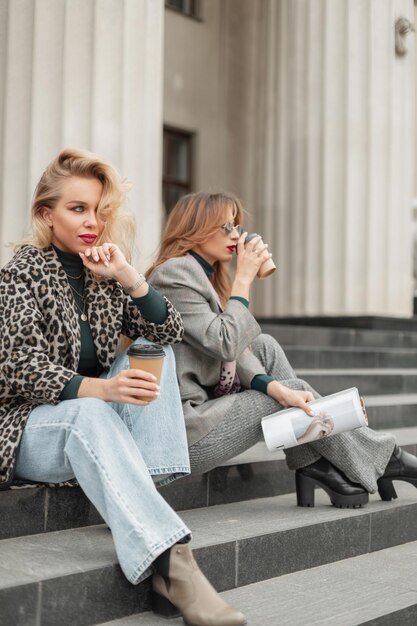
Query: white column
(142, 120)
(84, 73)
(15, 94)
(336, 159)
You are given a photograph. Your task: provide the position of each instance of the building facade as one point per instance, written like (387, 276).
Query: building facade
(304, 108)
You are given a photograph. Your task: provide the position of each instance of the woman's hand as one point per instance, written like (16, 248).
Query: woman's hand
(290, 397)
(132, 386)
(106, 260)
(109, 261)
(250, 257)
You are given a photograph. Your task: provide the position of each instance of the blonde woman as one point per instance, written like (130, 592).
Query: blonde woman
(70, 408)
(231, 375)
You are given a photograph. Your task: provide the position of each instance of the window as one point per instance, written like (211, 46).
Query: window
(177, 166)
(187, 7)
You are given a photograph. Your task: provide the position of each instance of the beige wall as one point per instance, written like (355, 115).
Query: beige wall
(209, 89)
(414, 207)
(193, 85)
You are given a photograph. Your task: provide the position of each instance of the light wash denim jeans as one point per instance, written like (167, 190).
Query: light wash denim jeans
(112, 450)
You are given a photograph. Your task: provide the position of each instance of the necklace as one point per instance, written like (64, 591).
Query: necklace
(82, 295)
(82, 311)
(75, 277)
(83, 314)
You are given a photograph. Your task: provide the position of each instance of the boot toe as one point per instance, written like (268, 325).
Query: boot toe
(230, 617)
(226, 616)
(235, 617)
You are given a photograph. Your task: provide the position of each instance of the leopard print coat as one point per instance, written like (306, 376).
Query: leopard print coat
(40, 337)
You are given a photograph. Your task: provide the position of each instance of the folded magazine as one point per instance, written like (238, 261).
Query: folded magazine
(333, 414)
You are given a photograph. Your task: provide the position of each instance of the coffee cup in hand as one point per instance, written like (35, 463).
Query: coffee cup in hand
(268, 267)
(148, 357)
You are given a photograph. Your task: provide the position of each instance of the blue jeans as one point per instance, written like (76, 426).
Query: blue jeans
(112, 450)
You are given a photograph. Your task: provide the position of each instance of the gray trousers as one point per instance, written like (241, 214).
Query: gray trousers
(362, 454)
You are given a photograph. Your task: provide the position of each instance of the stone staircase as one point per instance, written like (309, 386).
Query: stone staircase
(278, 563)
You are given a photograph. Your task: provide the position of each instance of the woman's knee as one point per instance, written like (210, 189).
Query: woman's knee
(93, 414)
(263, 340)
(305, 386)
(265, 346)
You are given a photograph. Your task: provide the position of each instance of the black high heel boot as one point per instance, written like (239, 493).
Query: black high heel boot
(401, 466)
(343, 493)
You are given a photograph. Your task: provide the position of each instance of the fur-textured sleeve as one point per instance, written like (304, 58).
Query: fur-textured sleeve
(25, 351)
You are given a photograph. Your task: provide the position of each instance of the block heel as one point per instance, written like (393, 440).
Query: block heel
(401, 466)
(386, 489)
(162, 606)
(305, 490)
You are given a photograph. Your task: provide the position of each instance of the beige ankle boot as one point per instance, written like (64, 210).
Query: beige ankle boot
(188, 591)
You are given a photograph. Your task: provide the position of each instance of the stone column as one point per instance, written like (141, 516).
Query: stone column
(335, 157)
(85, 73)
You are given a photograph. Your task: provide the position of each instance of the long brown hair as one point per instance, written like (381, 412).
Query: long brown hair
(119, 225)
(195, 218)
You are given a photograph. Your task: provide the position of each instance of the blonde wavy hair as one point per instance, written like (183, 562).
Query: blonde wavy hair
(118, 224)
(195, 218)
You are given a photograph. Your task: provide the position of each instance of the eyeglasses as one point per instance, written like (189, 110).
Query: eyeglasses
(229, 228)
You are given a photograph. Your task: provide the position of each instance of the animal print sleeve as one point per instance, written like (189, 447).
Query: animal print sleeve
(25, 357)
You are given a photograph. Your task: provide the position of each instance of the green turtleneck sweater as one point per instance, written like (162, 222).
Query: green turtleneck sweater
(260, 381)
(152, 307)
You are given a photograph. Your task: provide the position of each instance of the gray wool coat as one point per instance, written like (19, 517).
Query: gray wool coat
(210, 338)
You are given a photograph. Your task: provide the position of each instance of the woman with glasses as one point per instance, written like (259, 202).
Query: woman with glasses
(231, 375)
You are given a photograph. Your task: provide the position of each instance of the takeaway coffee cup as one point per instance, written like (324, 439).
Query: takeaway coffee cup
(148, 357)
(268, 267)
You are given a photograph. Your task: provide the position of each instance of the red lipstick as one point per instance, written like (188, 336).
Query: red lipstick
(88, 239)
(231, 248)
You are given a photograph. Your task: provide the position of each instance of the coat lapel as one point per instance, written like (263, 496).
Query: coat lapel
(66, 305)
(105, 314)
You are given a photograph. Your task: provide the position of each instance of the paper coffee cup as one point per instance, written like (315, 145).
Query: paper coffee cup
(268, 267)
(148, 357)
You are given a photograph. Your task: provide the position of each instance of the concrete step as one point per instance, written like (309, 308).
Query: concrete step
(329, 357)
(71, 577)
(368, 381)
(378, 588)
(45, 509)
(320, 336)
(256, 473)
(388, 411)
(369, 322)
